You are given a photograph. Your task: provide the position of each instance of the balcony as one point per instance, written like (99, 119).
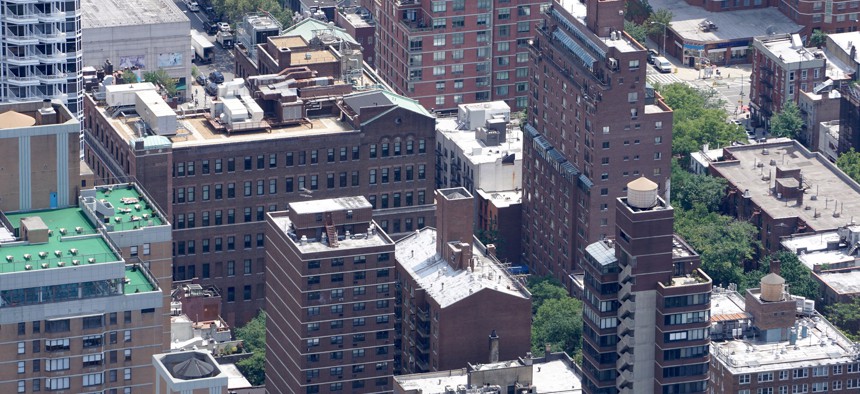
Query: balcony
(52, 78)
(423, 315)
(23, 19)
(625, 345)
(625, 292)
(22, 1)
(50, 36)
(624, 380)
(417, 26)
(51, 16)
(21, 60)
(625, 362)
(408, 2)
(22, 81)
(627, 309)
(55, 57)
(695, 278)
(19, 39)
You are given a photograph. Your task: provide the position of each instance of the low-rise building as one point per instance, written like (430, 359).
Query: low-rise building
(819, 108)
(783, 189)
(833, 259)
(358, 22)
(766, 341)
(143, 36)
(330, 299)
(448, 280)
(551, 373)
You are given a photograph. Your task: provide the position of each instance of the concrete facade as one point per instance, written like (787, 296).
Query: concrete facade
(39, 156)
(147, 35)
(593, 126)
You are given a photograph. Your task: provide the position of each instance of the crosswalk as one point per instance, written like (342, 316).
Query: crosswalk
(663, 79)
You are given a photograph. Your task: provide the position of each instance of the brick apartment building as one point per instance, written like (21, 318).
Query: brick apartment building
(217, 185)
(646, 304)
(834, 16)
(592, 127)
(445, 53)
(784, 189)
(84, 294)
(456, 304)
(39, 154)
(330, 299)
(782, 68)
(765, 342)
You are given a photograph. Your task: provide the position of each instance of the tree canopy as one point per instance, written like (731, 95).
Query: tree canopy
(160, 77)
(690, 189)
(798, 278)
(545, 288)
(818, 38)
(787, 122)
(235, 9)
(846, 316)
(699, 118)
(253, 334)
(638, 32)
(849, 163)
(557, 317)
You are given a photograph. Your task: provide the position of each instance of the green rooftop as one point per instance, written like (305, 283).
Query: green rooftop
(80, 244)
(137, 281)
(132, 210)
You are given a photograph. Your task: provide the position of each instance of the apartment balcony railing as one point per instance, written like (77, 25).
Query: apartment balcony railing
(51, 16)
(54, 57)
(21, 60)
(22, 1)
(50, 36)
(12, 17)
(20, 39)
(22, 80)
(56, 77)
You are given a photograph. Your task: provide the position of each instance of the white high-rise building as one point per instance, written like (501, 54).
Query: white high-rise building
(40, 56)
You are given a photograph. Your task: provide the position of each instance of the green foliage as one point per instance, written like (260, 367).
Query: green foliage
(818, 38)
(558, 322)
(253, 336)
(638, 32)
(160, 77)
(723, 243)
(690, 189)
(658, 21)
(547, 288)
(234, 10)
(787, 123)
(849, 163)
(129, 77)
(195, 71)
(699, 118)
(846, 316)
(491, 236)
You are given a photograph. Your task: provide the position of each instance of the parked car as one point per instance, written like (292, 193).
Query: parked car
(223, 26)
(216, 77)
(652, 54)
(211, 89)
(201, 80)
(212, 28)
(192, 5)
(662, 65)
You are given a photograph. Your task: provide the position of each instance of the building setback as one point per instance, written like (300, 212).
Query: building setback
(82, 305)
(217, 186)
(766, 341)
(646, 304)
(593, 125)
(456, 304)
(446, 53)
(39, 155)
(330, 299)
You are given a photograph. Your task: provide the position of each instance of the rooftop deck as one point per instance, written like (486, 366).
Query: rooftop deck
(80, 244)
(130, 207)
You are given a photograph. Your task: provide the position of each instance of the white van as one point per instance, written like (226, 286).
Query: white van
(663, 65)
(192, 5)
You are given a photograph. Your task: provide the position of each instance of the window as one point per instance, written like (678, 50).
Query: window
(439, 40)
(57, 383)
(439, 6)
(744, 379)
(504, 14)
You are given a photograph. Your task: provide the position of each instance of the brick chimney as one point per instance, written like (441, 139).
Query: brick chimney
(455, 209)
(604, 16)
(494, 347)
(774, 266)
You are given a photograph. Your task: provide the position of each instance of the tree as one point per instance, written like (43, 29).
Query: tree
(638, 32)
(787, 123)
(849, 163)
(818, 38)
(160, 77)
(690, 189)
(253, 335)
(658, 22)
(235, 9)
(798, 278)
(129, 76)
(547, 289)
(558, 322)
(845, 316)
(699, 118)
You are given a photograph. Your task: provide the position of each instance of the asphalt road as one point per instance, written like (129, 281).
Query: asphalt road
(223, 59)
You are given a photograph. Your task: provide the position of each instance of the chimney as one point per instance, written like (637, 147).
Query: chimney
(46, 115)
(494, 347)
(491, 250)
(774, 266)
(455, 210)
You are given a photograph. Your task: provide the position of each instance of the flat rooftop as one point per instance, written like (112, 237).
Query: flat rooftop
(842, 282)
(137, 282)
(88, 243)
(475, 150)
(846, 40)
(816, 251)
(119, 13)
(824, 184)
(130, 207)
(329, 205)
(502, 199)
(362, 238)
(731, 25)
(823, 345)
(783, 48)
(417, 254)
(578, 10)
(547, 377)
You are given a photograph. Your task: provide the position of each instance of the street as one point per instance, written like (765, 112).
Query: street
(222, 58)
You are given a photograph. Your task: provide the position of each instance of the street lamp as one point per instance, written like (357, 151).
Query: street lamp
(664, 34)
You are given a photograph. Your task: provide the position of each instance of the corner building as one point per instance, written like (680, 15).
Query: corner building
(646, 312)
(593, 125)
(329, 299)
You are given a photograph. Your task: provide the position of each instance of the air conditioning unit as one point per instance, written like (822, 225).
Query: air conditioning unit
(613, 63)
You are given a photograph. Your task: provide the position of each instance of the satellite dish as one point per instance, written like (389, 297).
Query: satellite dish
(771, 30)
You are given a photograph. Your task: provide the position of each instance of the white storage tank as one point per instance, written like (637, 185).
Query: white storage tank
(642, 193)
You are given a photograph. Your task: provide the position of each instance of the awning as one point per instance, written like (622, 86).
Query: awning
(574, 48)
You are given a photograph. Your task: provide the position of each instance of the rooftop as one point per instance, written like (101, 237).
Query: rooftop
(117, 13)
(72, 238)
(475, 150)
(310, 27)
(822, 345)
(846, 40)
(824, 185)
(789, 49)
(731, 25)
(131, 209)
(824, 248)
(417, 254)
(330, 204)
(502, 199)
(843, 282)
(362, 238)
(578, 10)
